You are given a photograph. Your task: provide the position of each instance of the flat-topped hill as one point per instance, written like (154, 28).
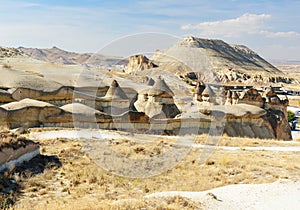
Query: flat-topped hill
(216, 61)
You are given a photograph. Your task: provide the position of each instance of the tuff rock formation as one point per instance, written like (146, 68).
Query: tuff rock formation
(139, 63)
(157, 102)
(115, 100)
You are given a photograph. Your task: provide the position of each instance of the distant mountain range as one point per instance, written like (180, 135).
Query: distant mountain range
(192, 58)
(283, 61)
(59, 56)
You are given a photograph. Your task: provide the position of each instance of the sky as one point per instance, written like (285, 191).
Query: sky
(269, 27)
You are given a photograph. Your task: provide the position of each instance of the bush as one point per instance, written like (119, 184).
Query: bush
(291, 116)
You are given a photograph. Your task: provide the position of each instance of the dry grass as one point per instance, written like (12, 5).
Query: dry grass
(11, 140)
(294, 102)
(134, 149)
(243, 142)
(81, 184)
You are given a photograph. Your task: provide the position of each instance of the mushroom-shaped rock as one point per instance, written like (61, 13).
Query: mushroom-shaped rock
(208, 92)
(208, 96)
(269, 92)
(115, 91)
(235, 95)
(229, 94)
(160, 88)
(270, 96)
(151, 82)
(158, 101)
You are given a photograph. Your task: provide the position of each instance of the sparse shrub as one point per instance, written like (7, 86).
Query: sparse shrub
(92, 179)
(291, 116)
(210, 162)
(5, 201)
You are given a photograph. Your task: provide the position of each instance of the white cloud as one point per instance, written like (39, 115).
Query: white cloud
(8, 4)
(289, 34)
(247, 23)
(237, 27)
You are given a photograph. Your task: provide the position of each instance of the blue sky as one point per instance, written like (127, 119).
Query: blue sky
(269, 27)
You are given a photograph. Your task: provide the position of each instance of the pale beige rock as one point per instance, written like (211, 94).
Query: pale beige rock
(251, 96)
(157, 101)
(139, 63)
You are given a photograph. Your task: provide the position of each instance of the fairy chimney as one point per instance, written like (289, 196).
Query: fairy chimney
(157, 102)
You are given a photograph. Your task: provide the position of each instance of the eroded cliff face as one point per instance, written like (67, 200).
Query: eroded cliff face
(277, 118)
(139, 63)
(246, 113)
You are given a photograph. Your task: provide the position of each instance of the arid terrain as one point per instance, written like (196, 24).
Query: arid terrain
(64, 176)
(147, 133)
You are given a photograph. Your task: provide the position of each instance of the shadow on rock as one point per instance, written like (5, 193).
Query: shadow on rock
(11, 180)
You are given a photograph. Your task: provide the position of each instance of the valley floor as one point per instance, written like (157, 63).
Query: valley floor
(73, 178)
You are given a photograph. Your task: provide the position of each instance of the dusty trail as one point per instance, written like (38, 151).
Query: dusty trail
(104, 135)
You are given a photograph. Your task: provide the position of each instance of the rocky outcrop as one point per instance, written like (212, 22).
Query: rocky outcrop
(14, 150)
(115, 100)
(81, 113)
(157, 102)
(204, 95)
(6, 52)
(115, 92)
(139, 63)
(251, 96)
(153, 109)
(5, 97)
(248, 104)
(27, 113)
(232, 76)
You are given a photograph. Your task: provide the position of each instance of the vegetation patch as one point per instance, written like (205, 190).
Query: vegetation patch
(11, 140)
(79, 183)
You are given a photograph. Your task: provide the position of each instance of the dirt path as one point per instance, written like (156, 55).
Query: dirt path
(296, 134)
(188, 140)
(282, 194)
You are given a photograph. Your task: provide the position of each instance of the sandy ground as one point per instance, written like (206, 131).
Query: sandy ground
(296, 134)
(106, 134)
(282, 194)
